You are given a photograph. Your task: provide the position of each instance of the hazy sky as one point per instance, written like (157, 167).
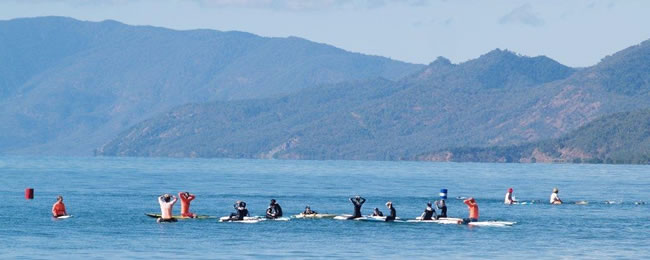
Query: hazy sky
(576, 33)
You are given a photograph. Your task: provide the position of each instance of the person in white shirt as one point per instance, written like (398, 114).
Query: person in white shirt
(166, 204)
(554, 198)
(509, 199)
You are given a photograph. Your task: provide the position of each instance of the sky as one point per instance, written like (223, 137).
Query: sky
(577, 33)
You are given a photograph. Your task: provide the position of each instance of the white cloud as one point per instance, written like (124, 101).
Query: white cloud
(522, 15)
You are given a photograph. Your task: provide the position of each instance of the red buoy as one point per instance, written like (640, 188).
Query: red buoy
(29, 194)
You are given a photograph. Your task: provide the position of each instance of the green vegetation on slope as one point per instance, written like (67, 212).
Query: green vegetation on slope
(618, 138)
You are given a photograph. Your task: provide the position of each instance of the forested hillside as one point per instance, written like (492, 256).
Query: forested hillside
(500, 98)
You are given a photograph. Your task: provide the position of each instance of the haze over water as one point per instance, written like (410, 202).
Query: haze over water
(109, 196)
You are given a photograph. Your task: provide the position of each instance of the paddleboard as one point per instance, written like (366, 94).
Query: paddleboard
(63, 217)
(343, 217)
(492, 223)
(154, 215)
(246, 220)
(454, 221)
(279, 219)
(314, 216)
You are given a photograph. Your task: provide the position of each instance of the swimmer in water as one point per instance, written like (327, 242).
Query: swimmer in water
(241, 211)
(308, 211)
(508, 199)
(473, 210)
(58, 209)
(429, 213)
(377, 213)
(274, 210)
(357, 201)
(186, 198)
(393, 212)
(166, 204)
(554, 198)
(442, 206)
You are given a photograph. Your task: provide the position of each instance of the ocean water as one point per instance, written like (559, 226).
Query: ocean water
(109, 196)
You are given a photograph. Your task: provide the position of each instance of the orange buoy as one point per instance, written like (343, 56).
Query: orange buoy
(29, 194)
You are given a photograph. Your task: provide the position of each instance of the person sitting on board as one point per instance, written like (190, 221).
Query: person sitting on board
(186, 198)
(377, 213)
(473, 210)
(357, 201)
(58, 209)
(274, 210)
(241, 211)
(554, 198)
(393, 212)
(429, 213)
(509, 199)
(442, 206)
(308, 211)
(166, 202)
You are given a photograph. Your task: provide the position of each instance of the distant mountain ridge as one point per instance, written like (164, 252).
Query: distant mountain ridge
(68, 86)
(497, 99)
(618, 138)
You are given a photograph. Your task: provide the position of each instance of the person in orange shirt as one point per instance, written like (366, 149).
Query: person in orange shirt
(473, 210)
(186, 198)
(58, 209)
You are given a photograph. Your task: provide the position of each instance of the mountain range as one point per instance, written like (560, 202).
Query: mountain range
(70, 86)
(498, 99)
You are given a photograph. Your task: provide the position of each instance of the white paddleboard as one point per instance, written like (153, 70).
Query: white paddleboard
(343, 217)
(314, 216)
(279, 219)
(492, 223)
(246, 220)
(63, 217)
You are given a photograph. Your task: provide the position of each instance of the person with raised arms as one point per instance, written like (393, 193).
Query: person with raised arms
(429, 213)
(274, 210)
(442, 206)
(393, 212)
(357, 201)
(554, 198)
(473, 210)
(186, 198)
(166, 202)
(509, 199)
(58, 209)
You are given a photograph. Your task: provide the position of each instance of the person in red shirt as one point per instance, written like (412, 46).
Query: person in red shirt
(186, 198)
(473, 210)
(58, 209)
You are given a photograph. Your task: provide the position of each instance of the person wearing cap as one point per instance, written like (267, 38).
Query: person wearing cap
(58, 209)
(166, 202)
(473, 210)
(393, 212)
(509, 199)
(274, 210)
(554, 198)
(442, 206)
(429, 213)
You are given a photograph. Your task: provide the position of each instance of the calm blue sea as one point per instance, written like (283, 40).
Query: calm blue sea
(109, 196)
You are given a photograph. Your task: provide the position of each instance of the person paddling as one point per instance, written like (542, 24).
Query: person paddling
(554, 198)
(186, 198)
(357, 201)
(166, 202)
(377, 213)
(393, 212)
(241, 211)
(429, 213)
(274, 210)
(442, 206)
(58, 209)
(473, 210)
(509, 199)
